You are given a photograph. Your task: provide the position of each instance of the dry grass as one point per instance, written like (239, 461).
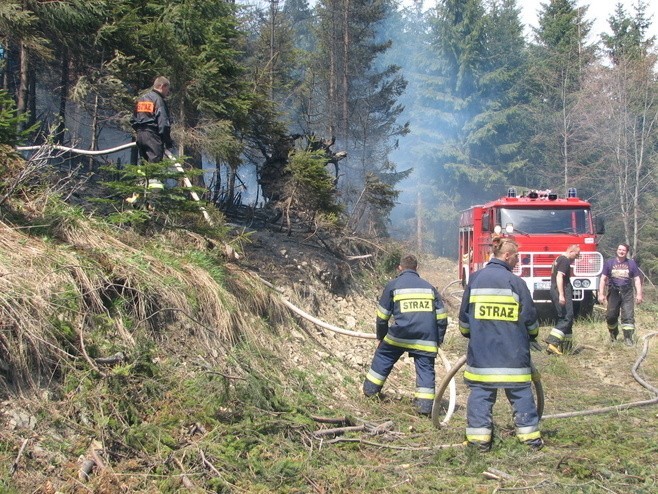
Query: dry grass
(51, 291)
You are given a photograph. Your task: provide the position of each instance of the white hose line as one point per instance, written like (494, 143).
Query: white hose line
(636, 366)
(177, 165)
(369, 336)
(85, 152)
(188, 184)
(325, 325)
(314, 320)
(623, 406)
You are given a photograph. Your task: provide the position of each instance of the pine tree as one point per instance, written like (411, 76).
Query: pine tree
(353, 97)
(559, 59)
(629, 34)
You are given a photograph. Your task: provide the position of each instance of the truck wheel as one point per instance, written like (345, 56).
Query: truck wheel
(585, 307)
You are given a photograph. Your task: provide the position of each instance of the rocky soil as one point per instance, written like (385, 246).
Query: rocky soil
(331, 290)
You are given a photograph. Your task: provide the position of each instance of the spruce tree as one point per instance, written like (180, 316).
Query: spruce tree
(560, 57)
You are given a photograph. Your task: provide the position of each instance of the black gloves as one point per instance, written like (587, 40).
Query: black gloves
(535, 346)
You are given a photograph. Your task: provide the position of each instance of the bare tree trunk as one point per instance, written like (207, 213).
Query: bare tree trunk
(94, 129)
(217, 186)
(565, 134)
(32, 96)
(21, 101)
(63, 96)
(332, 72)
(5, 71)
(273, 11)
(346, 69)
(233, 170)
(419, 222)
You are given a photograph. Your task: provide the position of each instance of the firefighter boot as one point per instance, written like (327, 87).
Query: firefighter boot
(370, 388)
(613, 334)
(628, 337)
(535, 444)
(423, 406)
(479, 446)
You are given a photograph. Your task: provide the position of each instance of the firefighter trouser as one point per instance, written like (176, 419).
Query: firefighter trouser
(150, 145)
(382, 363)
(479, 413)
(621, 299)
(561, 334)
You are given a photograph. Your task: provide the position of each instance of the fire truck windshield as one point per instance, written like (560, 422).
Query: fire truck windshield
(547, 220)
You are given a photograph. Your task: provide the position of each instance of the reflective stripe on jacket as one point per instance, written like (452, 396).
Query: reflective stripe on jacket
(420, 318)
(498, 316)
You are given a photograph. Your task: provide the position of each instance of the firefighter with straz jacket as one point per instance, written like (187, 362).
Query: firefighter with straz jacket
(498, 316)
(152, 122)
(419, 327)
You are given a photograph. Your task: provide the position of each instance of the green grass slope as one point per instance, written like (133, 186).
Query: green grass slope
(151, 364)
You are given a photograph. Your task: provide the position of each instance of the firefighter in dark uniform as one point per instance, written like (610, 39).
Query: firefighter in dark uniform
(419, 327)
(152, 122)
(498, 316)
(560, 339)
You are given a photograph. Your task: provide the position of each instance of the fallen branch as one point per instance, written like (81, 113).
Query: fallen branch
(339, 430)
(209, 465)
(92, 460)
(14, 466)
(184, 478)
(85, 469)
(354, 258)
(390, 446)
(329, 420)
(83, 350)
(382, 428)
(495, 474)
(117, 358)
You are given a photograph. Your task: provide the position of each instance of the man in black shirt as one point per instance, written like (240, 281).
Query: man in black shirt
(560, 338)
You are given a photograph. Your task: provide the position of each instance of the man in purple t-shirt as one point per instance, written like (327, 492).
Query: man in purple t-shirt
(620, 275)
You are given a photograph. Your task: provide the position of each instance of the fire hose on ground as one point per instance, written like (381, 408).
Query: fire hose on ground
(446, 363)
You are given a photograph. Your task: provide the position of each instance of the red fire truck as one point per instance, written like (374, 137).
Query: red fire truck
(543, 225)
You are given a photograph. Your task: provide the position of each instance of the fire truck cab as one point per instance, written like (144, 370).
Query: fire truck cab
(543, 225)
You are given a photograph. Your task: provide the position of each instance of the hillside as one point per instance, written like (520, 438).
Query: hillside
(156, 364)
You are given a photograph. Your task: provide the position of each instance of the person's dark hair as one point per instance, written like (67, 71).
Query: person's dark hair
(409, 262)
(500, 245)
